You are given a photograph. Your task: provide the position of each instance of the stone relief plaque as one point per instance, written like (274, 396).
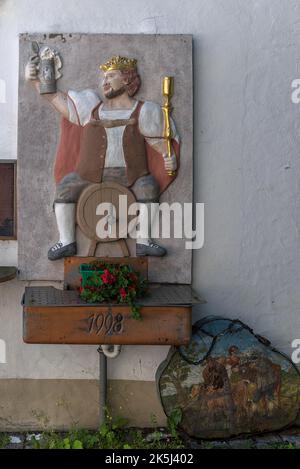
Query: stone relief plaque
(115, 125)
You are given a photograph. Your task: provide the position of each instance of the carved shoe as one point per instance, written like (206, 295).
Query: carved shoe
(58, 251)
(152, 249)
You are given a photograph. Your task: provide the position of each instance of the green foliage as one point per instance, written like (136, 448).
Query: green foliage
(207, 445)
(111, 435)
(174, 420)
(136, 312)
(112, 282)
(284, 445)
(4, 440)
(77, 444)
(127, 446)
(245, 444)
(153, 419)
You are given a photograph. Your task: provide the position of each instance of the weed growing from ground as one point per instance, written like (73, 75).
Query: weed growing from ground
(114, 434)
(4, 440)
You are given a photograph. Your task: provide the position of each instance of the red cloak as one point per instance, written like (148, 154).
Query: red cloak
(68, 151)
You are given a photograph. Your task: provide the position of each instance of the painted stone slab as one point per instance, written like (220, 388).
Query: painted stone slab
(38, 136)
(229, 381)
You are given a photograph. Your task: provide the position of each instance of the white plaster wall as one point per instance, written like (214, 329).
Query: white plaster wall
(247, 140)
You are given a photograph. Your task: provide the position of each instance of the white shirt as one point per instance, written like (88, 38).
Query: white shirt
(114, 153)
(151, 122)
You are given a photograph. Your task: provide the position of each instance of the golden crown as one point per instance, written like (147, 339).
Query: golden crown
(119, 63)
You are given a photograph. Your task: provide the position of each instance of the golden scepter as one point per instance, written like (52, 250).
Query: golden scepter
(167, 91)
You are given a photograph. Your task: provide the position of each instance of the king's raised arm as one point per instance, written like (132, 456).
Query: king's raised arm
(58, 99)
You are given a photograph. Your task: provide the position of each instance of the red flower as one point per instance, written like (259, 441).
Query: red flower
(81, 289)
(123, 293)
(108, 278)
(133, 277)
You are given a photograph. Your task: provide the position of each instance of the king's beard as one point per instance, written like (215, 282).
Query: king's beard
(114, 93)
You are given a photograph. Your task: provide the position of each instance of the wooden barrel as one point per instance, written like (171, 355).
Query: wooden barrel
(88, 210)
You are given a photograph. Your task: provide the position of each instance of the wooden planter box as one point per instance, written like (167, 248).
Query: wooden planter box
(53, 316)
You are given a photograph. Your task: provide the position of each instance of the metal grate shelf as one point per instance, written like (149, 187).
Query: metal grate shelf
(159, 295)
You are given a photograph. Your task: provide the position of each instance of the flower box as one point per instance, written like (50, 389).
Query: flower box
(116, 283)
(87, 273)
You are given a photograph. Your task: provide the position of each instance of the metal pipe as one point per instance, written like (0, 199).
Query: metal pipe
(102, 386)
(105, 351)
(111, 351)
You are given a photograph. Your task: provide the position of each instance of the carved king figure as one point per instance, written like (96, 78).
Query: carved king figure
(116, 138)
